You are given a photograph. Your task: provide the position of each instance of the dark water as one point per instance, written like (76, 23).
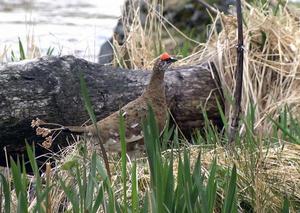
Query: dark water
(75, 27)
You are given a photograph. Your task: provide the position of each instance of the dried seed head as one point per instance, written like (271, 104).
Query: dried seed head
(37, 122)
(42, 131)
(48, 142)
(33, 123)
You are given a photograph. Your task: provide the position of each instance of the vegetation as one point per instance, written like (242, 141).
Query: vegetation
(32, 52)
(203, 177)
(261, 173)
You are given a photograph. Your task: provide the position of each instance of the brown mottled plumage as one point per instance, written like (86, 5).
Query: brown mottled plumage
(134, 112)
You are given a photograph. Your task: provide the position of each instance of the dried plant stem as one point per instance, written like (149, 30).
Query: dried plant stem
(235, 117)
(207, 6)
(48, 179)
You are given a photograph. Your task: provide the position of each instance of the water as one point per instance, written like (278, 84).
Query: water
(76, 27)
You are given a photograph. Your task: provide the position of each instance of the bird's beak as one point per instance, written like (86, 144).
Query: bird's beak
(172, 59)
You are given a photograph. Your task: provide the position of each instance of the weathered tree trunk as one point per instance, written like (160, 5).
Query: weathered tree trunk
(49, 88)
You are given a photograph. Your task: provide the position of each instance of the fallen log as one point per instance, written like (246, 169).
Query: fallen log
(49, 88)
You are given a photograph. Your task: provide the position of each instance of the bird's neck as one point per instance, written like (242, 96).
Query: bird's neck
(157, 82)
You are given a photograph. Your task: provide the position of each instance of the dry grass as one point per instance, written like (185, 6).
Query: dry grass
(145, 41)
(140, 38)
(271, 63)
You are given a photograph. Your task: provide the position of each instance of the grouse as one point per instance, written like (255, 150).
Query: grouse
(134, 112)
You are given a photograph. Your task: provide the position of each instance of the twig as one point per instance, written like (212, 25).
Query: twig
(238, 76)
(207, 6)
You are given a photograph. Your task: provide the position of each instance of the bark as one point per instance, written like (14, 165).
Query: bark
(49, 88)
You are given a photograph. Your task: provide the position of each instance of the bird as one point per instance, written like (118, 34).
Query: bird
(134, 112)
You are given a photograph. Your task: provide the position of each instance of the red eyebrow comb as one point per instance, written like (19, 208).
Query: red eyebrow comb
(165, 56)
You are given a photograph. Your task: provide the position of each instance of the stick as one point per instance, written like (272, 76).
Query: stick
(238, 77)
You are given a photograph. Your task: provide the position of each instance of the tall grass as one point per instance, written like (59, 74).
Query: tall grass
(185, 179)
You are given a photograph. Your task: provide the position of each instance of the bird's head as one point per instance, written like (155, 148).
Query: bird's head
(164, 61)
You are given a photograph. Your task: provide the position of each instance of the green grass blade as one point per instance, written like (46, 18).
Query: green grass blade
(81, 187)
(38, 182)
(22, 203)
(211, 188)
(21, 49)
(100, 169)
(50, 51)
(123, 158)
(134, 189)
(6, 192)
(179, 192)
(17, 177)
(145, 207)
(152, 142)
(98, 200)
(31, 156)
(91, 183)
(230, 197)
(43, 196)
(168, 182)
(187, 181)
(285, 131)
(167, 134)
(86, 98)
(12, 57)
(71, 195)
(111, 199)
(222, 114)
(153, 125)
(286, 206)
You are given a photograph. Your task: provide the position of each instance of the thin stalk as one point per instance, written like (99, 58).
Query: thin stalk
(208, 6)
(235, 118)
(48, 179)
